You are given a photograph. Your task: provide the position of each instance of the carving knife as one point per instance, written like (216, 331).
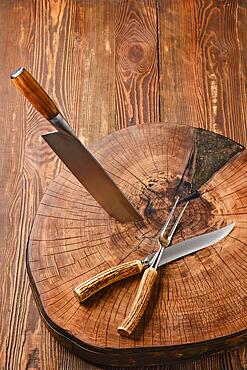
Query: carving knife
(74, 154)
(144, 291)
(169, 254)
(149, 277)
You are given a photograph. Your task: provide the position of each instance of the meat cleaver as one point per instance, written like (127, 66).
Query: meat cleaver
(74, 154)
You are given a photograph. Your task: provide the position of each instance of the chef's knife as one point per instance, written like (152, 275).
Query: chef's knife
(74, 154)
(169, 254)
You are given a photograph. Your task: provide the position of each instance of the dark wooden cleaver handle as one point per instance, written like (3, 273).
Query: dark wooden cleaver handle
(32, 90)
(107, 277)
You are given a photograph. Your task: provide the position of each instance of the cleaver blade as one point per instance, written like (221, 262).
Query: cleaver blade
(91, 175)
(74, 154)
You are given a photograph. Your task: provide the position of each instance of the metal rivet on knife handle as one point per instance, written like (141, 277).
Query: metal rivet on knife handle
(107, 277)
(74, 154)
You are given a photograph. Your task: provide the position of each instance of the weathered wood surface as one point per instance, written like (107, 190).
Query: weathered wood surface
(137, 69)
(70, 46)
(199, 299)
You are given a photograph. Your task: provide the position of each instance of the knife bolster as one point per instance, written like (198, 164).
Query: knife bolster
(60, 123)
(107, 277)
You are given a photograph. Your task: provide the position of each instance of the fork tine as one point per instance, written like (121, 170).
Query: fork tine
(170, 235)
(169, 218)
(165, 241)
(162, 232)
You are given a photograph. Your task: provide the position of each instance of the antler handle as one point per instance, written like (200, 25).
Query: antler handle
(107, 277)
(140, 303)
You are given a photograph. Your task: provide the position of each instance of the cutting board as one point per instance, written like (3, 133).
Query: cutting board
(199, 302)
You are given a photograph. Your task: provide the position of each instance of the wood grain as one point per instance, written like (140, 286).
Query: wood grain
(20, 325)
(70, 47)
(198, 304)
(201, 65)
(137, 90)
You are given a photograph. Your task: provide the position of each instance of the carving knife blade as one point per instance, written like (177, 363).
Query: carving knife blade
(194, 244)
(74, 154)
(169, 254)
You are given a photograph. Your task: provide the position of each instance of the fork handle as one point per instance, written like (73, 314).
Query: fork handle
(107, 277)
(140, 303)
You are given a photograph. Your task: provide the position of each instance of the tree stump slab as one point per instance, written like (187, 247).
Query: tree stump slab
(199, 302)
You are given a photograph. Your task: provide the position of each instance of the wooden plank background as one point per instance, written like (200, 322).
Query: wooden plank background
(108, 64)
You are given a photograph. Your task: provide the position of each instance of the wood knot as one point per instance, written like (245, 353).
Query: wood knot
(136, 53)
(135, 57)
(79, 41)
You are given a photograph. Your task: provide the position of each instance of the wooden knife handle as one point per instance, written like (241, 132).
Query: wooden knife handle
(32, 90)
(107, 277)
(140, 303)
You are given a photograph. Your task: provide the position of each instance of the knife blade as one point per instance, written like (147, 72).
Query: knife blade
(169, 254)
(74, 154)
(194, 244)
